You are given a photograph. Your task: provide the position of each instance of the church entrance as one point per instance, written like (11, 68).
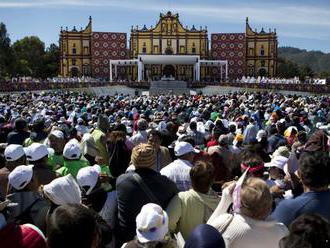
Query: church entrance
(169, 71)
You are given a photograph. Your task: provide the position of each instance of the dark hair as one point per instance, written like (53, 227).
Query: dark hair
(20, 124)
(189, 139)
(71, 225)
(193, 125)
(308, 231)
(154, 132)
(202, 176)
(315, 169)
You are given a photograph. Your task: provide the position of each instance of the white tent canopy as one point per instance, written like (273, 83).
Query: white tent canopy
(169, 60)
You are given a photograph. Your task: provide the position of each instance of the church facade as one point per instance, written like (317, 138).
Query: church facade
(88, 53)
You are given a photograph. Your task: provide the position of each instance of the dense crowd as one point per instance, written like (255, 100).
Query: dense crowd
(266, 80)
(236, 170)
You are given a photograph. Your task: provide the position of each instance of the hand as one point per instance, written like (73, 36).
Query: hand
(277, 192)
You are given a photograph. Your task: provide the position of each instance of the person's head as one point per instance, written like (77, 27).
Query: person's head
(256, 199)
(276, 167)
(63, 190)
(253, 162)
(72, 150)
(205, 236)
(56, 141)
(72, 225)
(307, 231)
(261, 136)
(20, 125)
(223, 140)
(103, 123)
(232, 128)
(37, 153)
(142, 125)
(143, 156)
(202, 176)
(22, 178)
(155, 138)
(193, 126)
(314, 170)
(185, 151)
(88, 178)
(14, 155)
(151, 224)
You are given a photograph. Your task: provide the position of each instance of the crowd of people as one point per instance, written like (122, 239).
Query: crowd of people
(239, 170)
(266, 80)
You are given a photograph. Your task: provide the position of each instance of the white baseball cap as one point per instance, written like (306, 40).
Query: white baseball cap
(182, 148)
(88, 176)
(72, 150)
(58, 134)
(37, 151)
(151, 223)
(20, 176)
(14, 152)
(278, 162)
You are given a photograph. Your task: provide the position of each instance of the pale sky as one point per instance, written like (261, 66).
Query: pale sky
(303, 24)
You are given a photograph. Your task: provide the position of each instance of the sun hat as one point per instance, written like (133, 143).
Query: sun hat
(143, 156)
(88, 176)
(181, 148)
(20, 176)
(63, 190)
(278, 162)
(151, 223)
(14, 152)
(37, 151)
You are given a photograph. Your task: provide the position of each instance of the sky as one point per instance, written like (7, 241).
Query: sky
(299, 23)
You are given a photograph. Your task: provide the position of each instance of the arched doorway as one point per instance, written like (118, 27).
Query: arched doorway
(262, 72)
(74, 72)
(169, 71)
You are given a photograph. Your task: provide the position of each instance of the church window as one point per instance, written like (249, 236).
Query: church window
(182, 49)
(193, 50)
(86, 50)
(144, 50)
(74, 50)
(262, 51)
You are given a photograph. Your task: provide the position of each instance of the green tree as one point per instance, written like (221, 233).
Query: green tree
(287, 69)
(51, 61)
(6, 54)
(29, 52)
(305, 72)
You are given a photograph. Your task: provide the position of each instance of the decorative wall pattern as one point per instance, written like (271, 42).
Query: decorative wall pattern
(106, 46)
(231, 47)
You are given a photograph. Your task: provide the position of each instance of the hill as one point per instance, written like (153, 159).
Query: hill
(318, 61)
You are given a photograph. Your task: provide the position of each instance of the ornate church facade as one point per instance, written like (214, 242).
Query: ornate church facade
(88, 53)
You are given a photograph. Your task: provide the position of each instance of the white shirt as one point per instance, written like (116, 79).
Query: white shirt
(178, 171)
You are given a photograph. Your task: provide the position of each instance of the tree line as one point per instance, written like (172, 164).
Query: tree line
(27, 57)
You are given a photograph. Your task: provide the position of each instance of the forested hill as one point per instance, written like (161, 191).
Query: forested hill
(318, 61)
